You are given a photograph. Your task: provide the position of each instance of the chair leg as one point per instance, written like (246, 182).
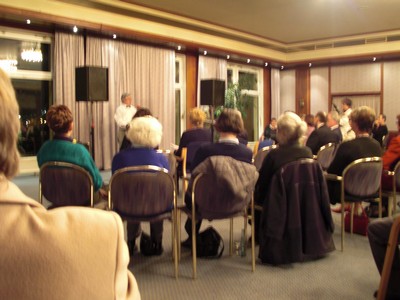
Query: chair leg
(253, 241)
(342, 221)
(231, 236)
(178, 232)
(175, 242)
(194, 254)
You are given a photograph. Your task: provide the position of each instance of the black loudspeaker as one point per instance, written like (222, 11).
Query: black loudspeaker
(212, 92)
(91, 84)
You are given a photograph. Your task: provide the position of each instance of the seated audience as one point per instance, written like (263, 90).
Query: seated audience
(69, 252)
(243, 137)
(332, 120)
(270, 131)
(361, 121)
(141, 112)
(290, 130)
(265, 143)
(145, 134)
(322, 135)
(378, 236)
(62, 148)
(228, 125)
(195, 134)
(380, 130)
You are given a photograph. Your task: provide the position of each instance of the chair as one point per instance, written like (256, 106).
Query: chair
(171, 161)
(260, 155)
(296, 222)
(221, 188)
(65, 184)
(360, 181)
(187, 157)
(144, 194)
(387, 265)
(326, 154)
(395, 175)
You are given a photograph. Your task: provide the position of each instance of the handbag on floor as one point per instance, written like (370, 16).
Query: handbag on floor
(209, 244)
(360, 223)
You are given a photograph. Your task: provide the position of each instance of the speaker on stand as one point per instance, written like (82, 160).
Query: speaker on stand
(212, 93)
(91, 84)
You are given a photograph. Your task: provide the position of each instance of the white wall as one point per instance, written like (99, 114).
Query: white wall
(391, 93)
(287, 91)
(319, 90)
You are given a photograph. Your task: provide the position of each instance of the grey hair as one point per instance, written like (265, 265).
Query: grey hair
(290, 129)
(124, 95)
(145, 132)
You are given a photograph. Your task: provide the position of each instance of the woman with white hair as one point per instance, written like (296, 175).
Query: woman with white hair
(145, 134)
(290, 133)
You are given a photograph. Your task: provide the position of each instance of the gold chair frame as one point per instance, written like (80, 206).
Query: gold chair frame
(330, 148)
(261, 154)
(392, 205)
(59, 164)
(193, 217)
(374, 160)
(147, 168)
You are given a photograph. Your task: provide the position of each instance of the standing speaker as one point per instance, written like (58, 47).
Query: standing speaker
(91, 84)
(212, 92)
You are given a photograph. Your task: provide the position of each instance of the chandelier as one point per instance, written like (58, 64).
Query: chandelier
(8, 65)
(32, 54)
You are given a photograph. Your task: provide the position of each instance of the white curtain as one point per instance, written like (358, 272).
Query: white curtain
(372, 101)
(210, 68)
(275, 93)
(69, 54)
(146, 72)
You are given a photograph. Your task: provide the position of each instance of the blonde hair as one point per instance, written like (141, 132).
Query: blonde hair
(197, 116)
(9, 128)
(145, 132)
(290, 129)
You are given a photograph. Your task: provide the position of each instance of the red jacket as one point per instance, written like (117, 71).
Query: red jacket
(391, 155)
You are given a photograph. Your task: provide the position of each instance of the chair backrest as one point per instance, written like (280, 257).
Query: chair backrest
(326, 154)
(65, 184)
(188, 154)
(171, 160)
(397, 176)
(260, 156)
(142, 192)
(362, 178)
(223, 186)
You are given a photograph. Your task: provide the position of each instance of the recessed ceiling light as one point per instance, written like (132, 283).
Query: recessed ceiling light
(248, 60)
(282, 67)
(28, 21)
(114, 36)
(179, 47)
(309, 65)
(75, 29)
(374, 59)
(205, 52)
(266, 64)
(228, 56)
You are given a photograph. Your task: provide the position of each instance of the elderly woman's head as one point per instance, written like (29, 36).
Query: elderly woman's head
(9, 128)
(145, 132)
(290, 129)
(362, 119)
(59, 119)
(230, 121)
(197, 117)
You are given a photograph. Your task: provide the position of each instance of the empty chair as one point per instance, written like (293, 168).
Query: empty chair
(65, 184)
(326, 154)
(222, 188)
(144, 194)
(296, 222)
(360, 181)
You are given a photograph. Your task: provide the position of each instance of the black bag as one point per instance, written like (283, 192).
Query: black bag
(209, 244)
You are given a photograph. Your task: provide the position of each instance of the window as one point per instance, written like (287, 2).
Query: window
(180, 99)
(248, 81)
(27, 60)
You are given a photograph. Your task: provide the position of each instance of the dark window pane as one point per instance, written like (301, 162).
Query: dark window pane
(33, 99)
(248, 81)
(230, 74)
(176, 72)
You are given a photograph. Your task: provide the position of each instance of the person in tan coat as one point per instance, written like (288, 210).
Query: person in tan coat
(65, 253)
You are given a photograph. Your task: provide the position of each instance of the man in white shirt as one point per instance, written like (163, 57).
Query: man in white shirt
(347, 132)
(123, 116)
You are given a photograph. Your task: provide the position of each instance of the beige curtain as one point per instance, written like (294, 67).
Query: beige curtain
(69, 54)
(275, 93)
(147, 73)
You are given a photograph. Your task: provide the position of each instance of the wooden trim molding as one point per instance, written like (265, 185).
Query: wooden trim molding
(191, 84)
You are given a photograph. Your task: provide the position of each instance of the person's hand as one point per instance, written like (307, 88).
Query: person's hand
(103, 193)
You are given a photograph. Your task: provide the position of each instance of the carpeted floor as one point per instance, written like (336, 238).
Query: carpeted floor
(351, 274)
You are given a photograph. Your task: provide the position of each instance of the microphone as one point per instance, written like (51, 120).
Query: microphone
(336, 108)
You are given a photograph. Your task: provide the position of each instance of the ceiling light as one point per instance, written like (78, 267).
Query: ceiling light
(282, 67)
(28, 21)
(114, 36)
(248, 60)
(228, 56)
(32, 54)
(75, 29)
(8, 65)
(266, 64)
(309, 65)
(179, 48)
(205, 52)
(374, 59)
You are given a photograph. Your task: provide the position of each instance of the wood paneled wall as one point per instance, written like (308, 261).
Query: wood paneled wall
(302, 91)
(191, 84)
